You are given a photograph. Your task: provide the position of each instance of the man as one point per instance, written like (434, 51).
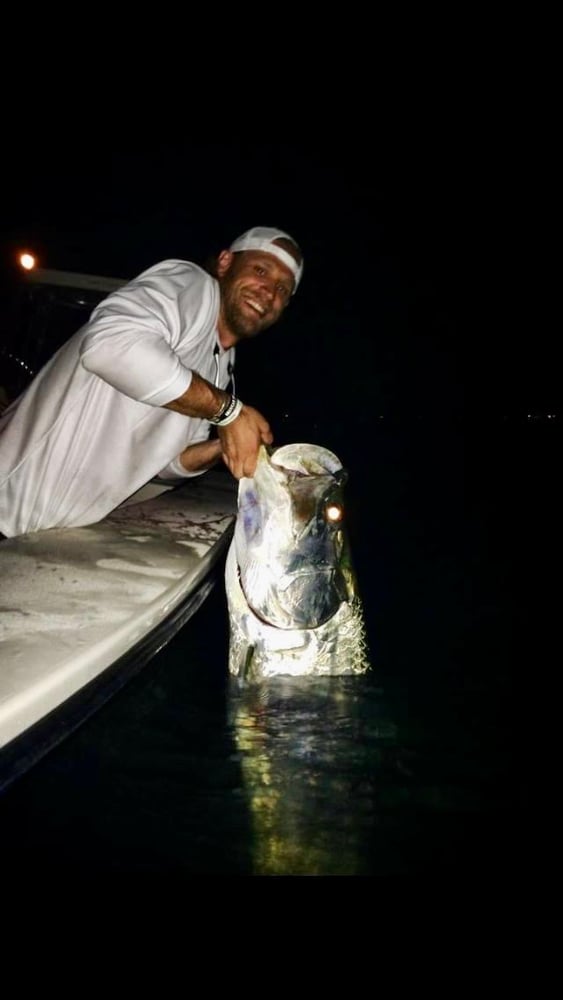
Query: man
(134, 393)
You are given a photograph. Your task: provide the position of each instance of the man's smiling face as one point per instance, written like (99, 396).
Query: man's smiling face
(255, 289)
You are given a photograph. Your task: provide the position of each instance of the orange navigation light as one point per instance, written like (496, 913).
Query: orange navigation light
(27, 260)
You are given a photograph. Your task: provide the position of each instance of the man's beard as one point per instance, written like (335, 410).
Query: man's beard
(241, 320)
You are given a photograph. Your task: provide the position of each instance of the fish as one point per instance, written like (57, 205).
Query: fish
(293, 600)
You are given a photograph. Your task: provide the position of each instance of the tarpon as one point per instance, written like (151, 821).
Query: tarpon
(292, 595)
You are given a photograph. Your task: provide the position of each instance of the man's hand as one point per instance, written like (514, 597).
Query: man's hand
(241, 440)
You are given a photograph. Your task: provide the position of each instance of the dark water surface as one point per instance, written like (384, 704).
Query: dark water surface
(414, 769)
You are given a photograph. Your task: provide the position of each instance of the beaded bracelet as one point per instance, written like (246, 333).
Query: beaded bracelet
(228, 412)
(222, 409)
(231, 413)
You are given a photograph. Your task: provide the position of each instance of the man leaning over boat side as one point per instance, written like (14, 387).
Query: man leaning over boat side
(135, 392)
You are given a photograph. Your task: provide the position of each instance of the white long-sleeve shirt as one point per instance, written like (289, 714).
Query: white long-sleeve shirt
(91, 429)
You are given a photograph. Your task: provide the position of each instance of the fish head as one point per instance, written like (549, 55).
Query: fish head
(290, 541)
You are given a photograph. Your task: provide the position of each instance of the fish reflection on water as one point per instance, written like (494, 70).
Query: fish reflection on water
(292, 595)
(299, 666)
(312, 751)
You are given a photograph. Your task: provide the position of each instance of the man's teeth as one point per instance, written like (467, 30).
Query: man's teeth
(256, 305)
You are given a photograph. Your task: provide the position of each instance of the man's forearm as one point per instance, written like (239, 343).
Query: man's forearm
(238, 440)
(201, 399)
(201, 456)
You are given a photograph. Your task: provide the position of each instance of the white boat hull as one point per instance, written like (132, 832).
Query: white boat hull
(76, 603)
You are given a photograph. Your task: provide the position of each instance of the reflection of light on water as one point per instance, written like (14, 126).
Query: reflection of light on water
(310, 750)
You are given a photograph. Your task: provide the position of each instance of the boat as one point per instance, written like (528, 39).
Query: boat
(84, 609)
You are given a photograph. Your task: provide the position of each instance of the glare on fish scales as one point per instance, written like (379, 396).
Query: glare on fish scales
(292, 595)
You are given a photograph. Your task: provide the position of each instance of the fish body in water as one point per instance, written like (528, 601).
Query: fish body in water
(292, 596)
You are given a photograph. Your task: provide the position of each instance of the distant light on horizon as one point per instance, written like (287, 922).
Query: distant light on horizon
(28, 261)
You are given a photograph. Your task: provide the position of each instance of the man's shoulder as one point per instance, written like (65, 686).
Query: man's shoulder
(168, 285)
(175, 268)
(188, 295)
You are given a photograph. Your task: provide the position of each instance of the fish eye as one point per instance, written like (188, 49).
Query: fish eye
(334, 513)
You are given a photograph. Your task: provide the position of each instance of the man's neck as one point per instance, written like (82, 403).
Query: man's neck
(225, 335)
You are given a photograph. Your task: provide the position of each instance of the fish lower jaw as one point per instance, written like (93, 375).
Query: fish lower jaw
(258, 651)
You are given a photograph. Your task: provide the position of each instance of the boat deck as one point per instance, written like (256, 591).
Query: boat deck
(77, 601)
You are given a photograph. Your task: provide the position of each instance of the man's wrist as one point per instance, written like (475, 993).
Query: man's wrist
(222, 409)
(230, 413)
(227, 413)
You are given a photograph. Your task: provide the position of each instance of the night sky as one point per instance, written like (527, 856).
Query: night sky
(409, 306)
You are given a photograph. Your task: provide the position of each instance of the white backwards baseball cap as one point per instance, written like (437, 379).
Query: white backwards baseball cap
(262, 238)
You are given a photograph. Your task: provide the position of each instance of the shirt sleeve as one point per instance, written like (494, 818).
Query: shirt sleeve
(129, 342)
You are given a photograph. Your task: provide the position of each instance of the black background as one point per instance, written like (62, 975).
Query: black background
(421, 295)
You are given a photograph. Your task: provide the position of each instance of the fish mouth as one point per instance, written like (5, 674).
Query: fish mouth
(303, 600)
